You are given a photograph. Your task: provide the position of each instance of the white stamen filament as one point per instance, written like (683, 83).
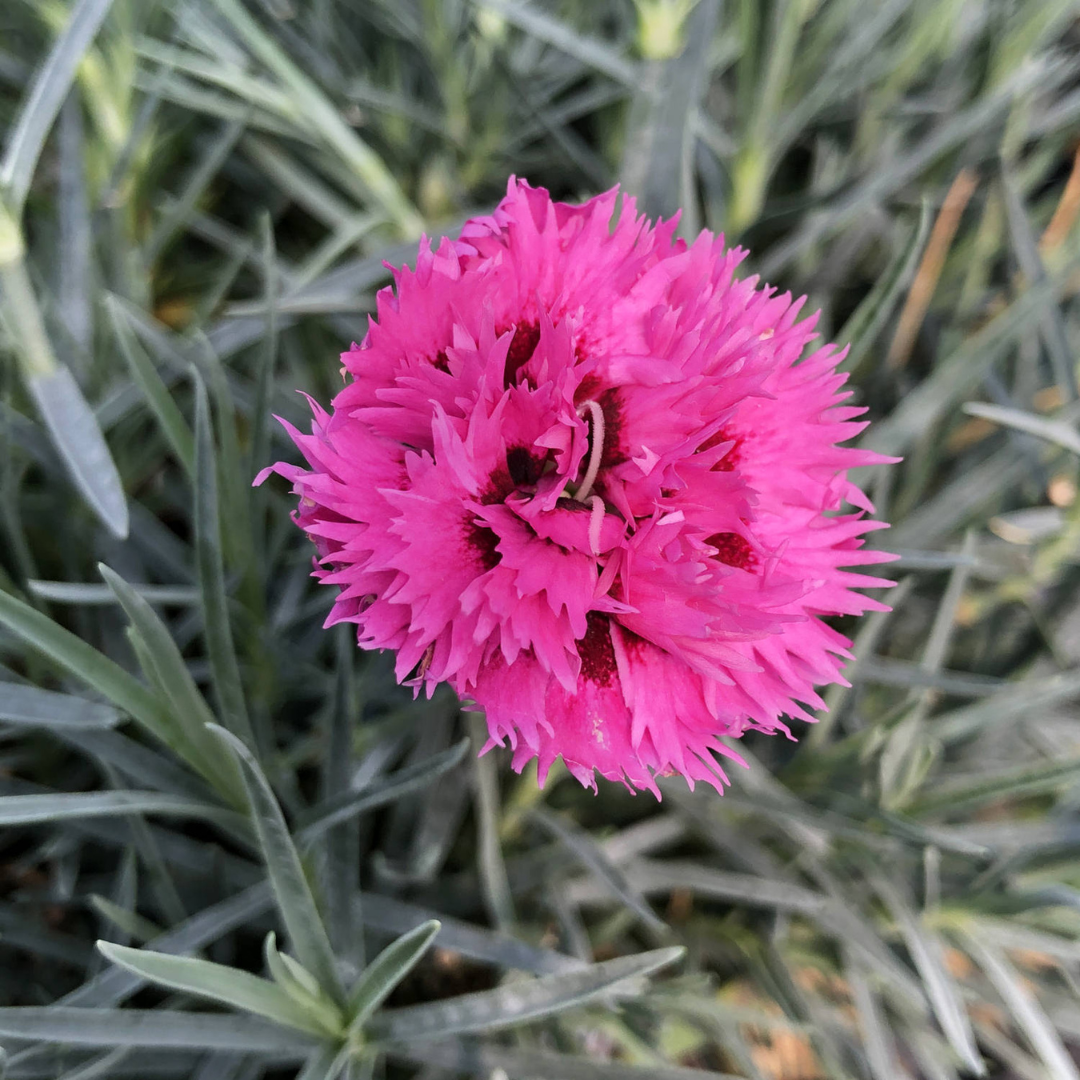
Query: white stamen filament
(596, 449)
(596, 522)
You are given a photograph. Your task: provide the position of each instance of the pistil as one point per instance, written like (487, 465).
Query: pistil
(596, 448)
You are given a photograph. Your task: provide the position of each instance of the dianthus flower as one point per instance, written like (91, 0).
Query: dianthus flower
(584, 474)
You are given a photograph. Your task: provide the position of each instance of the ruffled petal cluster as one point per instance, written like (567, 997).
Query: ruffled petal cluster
(590, 478)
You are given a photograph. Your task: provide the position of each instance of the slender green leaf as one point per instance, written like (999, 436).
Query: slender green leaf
(928, 954)
(658, 161)
(31, 707)
(174, 427)
(1055, 431)
(86, 663)
(260, 438)
(399, 917)
(224, 667)
(230, 986)
(591, 855)
(590, 51)
(661, 876)
(115, 985)
(957, 375)
(475, 1058)
(47, 94)
(876, 1041)
(517, 1002)
(202, 174)
(132, 925)
(290, 886)
(321, 114)
(405, 781)
(1024, 1008)
(1024, 698)
(292, 977)
(91, 595)
(342, 844)
(387, 970)
(34, 809)
(1052, 327)
(161, 1029)
(326, 1063)
(494, 882)
(98, 1067)
(868, 320)
(962, 794)
(186, 704)
(77, 435)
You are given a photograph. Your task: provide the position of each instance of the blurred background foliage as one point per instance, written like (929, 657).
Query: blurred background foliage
(196, 201)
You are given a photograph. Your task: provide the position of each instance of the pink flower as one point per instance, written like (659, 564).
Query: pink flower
(580, 473)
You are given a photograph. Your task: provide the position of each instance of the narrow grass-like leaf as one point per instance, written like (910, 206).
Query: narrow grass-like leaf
(927, 952)
(268, 356)
(495, 886)
(957, 375)
(326, 1063)
(961, 794)
(868, 320)
(321, 114)
(606, 872)
(90, 595)
(104, 1065)
(75, 279)
(341, 845)
(658, 161)
(468, 1056)
(28, 706)
(516, 1003)
(1053, 332)
(876, 1041)
(956, 129)
(291, 889)
(405, 781)
(661, 876)
(1023, 1007)
(1055, 431)
(590, 51)
(224, 667)
(477, 942)
(230, 986)
(76, 434)
(137, 761)
(173, 425)
(1024, 698)
(387, 970)
(300, 185)
(46, 96)
(115, 985)
(131, 924)
(294, 979)
(86, 663)
(163, 1029)
(186, 704)
(207, 167)
(61, 805)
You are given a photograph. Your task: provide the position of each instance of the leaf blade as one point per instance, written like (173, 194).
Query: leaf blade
(217, 982)
(47, 94)
(516, 1003)
(287, 879)
(161, 1028)
(387, 970)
